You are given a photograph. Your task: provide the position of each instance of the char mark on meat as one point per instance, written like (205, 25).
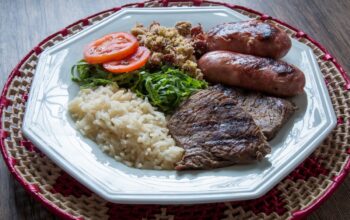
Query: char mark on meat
(268, 112)
(216, 132)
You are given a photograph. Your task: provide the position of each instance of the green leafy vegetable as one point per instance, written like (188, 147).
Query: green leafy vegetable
(93, 75)
(165, 89)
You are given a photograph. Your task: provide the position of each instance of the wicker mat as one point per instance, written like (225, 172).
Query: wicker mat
(293, 198)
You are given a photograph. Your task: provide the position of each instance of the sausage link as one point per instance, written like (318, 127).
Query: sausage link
(267, 75)
(253, 37)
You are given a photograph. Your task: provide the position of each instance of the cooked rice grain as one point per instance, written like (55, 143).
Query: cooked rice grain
(126, 127)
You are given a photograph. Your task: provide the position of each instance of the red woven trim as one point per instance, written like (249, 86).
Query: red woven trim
(340, 120)
(4, 102)
(10, 162)
(25, 97)
(37, 50)
(265, 17)
(166, 2)
(337, 180)
(348, 151)
(340, 178)
(327, 54)
(3, 134)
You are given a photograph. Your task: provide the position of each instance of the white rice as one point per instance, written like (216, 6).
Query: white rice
(126, 127)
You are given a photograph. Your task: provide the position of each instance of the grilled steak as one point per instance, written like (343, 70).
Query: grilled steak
(268, 112)
(215, 132)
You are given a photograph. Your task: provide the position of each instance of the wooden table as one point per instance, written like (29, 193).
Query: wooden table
(23, 24)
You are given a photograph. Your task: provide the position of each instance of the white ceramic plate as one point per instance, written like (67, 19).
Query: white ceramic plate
(48, 125)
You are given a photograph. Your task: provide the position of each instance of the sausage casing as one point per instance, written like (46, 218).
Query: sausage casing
(253, 37)
(274, 77)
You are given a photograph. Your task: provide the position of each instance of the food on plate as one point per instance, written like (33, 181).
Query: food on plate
(130, 81)
(253, 37)
(269, 113)
(117, 52)
(167, 88)
(93, 75)
(199, 41)
(126, 127)
(115, 46)
(215, 132)
(184, 28)
(128, 64)
(267, 75)
(169, 46)
(164, 89)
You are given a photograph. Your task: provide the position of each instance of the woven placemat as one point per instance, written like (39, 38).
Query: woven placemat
(293, 198)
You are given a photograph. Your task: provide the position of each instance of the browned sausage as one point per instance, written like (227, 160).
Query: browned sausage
(275, 77)
(249, 37)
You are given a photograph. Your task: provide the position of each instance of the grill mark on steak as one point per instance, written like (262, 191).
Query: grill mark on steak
(268, 112)
(215, 132)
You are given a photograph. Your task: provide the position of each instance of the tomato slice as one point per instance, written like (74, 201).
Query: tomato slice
(115, 46)
(131, 63)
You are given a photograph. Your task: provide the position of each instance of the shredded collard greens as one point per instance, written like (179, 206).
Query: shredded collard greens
(93, 75)
(165, 88)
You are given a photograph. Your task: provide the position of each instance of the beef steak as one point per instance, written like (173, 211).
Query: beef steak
(268, 112)
(215, 132)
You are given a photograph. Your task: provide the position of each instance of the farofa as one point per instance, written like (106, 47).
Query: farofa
(169, 45)
(126, 127)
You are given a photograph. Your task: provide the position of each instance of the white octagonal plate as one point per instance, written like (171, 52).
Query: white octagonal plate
(48, 125)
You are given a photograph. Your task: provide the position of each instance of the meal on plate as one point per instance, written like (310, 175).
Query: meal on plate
(182, 98)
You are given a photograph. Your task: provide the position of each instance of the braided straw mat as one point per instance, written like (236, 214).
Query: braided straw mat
(293, 198)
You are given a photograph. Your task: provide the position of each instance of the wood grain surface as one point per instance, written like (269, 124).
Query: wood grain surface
(24, 23)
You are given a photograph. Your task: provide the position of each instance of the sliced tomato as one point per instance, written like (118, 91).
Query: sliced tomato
(134, 62)
(115, 46)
